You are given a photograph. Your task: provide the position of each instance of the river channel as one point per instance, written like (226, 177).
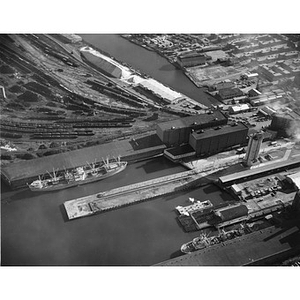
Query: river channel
(150, 63)
(34, 226)
(35, 230)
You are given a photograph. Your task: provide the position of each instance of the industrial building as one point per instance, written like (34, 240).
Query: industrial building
(177, 132)
(191, 59)
(158, 92)
(229, 93)
(247, 174)
(232, 212)
(236, 109)
(20, 173)
(286, 124)
(254, 93)
(100, 62)
(226, 84)
(218, 139)
(253, 148)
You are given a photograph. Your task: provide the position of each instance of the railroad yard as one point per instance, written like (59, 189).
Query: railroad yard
(54, 101)
(65, 98)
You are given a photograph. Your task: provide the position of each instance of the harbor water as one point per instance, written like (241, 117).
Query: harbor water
(34, 226)
(150, 63)
(35, 229)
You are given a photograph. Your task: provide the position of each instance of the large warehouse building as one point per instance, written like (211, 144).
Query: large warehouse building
(214, 140)
(177, 132)
(24, 172)
(102, 63)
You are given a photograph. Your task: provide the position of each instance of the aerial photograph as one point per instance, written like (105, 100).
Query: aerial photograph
(151, 149)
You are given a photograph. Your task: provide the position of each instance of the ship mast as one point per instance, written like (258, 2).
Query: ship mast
(54, 177)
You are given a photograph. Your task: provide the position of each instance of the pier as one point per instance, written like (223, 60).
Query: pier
(133, 193)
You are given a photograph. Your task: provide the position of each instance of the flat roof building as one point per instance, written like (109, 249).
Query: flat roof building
(259, 171)
(229, 93)
(177, 132)
(235, 109)
(232, 212)
(213, 140)
(191, 59)
(20, 173)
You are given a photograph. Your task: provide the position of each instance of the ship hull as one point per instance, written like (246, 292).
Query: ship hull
(61, 186)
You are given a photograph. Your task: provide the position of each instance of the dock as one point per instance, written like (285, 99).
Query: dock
(134, 193)
(263, 247)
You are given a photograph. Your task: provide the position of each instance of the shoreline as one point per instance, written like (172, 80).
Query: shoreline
(165, 57)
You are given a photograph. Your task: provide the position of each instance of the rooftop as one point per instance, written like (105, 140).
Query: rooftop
(229, 91)
(259, 170)
(230, 213)
(191, 54)
(216, 131)
(72, 159)
(192, 121)
(160, 89)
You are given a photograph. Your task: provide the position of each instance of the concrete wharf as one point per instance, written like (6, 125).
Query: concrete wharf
(134, 193)
(261, 247)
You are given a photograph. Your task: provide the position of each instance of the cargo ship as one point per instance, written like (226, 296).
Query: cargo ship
(204, 241)
(77, 176)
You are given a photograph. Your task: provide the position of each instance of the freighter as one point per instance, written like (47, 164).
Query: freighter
(78, 176)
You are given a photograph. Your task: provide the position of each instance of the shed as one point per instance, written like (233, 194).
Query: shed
(232, 212)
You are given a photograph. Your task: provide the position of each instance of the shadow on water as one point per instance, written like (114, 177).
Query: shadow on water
(151, 166)
(24, 194)
(225, 195)
(4, 187)
(209, 189)
(173, 195)
(20, 195)
(180, 225)
(64, 213)
(168, 67)
(176, 254)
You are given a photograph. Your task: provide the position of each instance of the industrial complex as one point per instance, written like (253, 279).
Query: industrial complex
(88, 126)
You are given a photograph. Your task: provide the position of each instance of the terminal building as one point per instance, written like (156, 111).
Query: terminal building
(176, 132)
(218, 139)
(200, 135)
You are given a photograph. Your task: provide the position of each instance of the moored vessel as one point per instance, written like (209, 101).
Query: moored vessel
(204, 241)
(77, 176)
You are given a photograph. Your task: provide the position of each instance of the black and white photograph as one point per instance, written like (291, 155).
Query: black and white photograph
(144, 146)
